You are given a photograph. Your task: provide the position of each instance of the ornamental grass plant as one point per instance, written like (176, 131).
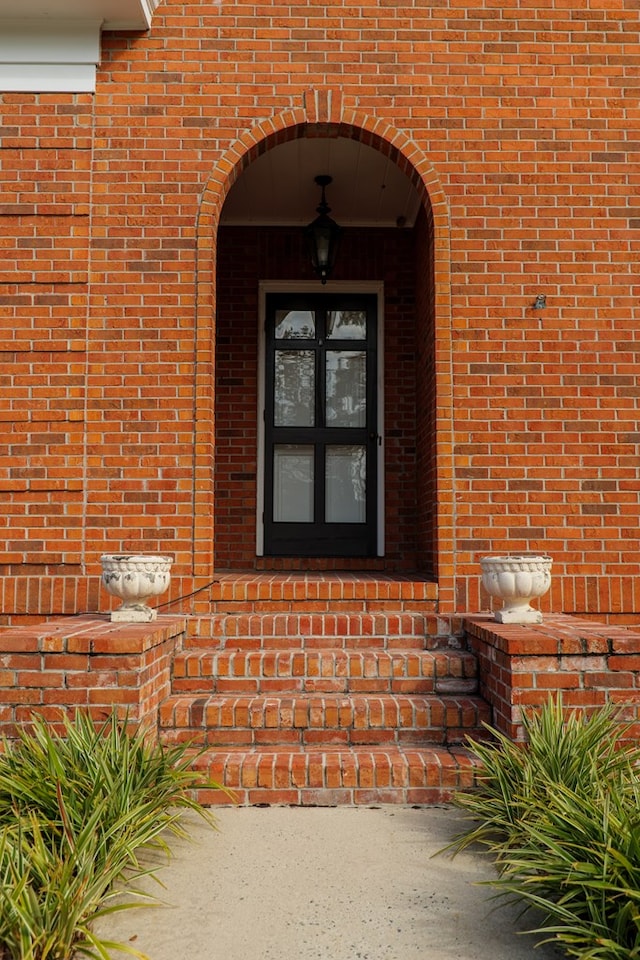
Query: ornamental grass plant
(51, 892)
(76, 810)
(560, 815)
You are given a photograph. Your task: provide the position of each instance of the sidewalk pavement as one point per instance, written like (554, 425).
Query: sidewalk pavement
(340, 883)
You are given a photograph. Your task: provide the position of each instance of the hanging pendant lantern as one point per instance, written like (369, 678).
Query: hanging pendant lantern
(323, 235)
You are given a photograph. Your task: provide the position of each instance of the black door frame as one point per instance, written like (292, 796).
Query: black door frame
(374, 441)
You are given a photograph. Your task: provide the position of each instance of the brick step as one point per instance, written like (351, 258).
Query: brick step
(253, 631)
(419, 774)
(321, 592)
(324, 671)
(303, 720)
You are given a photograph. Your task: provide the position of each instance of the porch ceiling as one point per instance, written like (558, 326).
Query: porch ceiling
(278, 188)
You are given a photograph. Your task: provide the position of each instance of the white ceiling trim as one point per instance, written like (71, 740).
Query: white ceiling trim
(48, 56)
(54, 47)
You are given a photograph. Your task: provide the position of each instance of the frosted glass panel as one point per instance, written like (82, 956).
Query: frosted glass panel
(292, 483)
(345, 484)
(295, 324)
(294, 388)
(346, 401)
(347, 325)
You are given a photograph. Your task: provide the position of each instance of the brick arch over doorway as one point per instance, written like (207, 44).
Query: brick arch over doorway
(415, 265)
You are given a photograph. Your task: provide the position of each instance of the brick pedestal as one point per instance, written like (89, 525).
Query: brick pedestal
(86, 662)
(588, 663)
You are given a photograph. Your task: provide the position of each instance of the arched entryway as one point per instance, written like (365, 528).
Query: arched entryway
(387, 259)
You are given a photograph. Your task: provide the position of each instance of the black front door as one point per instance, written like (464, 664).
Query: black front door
(321, 433)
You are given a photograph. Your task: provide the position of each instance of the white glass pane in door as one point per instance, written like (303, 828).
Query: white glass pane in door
(347, 325)
(295, 325)
(293, 473)
(346, 387)
(294, 388)
(345, 483)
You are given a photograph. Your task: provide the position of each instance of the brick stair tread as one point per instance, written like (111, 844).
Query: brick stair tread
(309, 629)
(321, 670)
(175, 707)
(325, 718)
(308, 587)
(422, 773)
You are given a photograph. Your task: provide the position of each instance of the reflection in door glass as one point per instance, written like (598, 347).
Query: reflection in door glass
(294, 388)
(346, 401)
(346, 484)
(347, 325)
(295, 324)
(292, 483)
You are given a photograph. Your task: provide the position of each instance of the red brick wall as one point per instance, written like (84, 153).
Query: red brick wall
(520, 121)
(44, 238)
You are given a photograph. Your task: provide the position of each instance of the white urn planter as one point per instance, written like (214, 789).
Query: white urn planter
(135, 579)
(517, 580)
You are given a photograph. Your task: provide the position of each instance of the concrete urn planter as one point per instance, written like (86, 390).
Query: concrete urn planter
(135, 579)
(517, 580)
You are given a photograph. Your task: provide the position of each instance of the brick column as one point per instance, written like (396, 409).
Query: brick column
(86, 662)
(521, 666)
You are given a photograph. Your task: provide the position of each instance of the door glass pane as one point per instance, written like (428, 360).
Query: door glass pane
(345, 484)
(292, 483)
(346, 401)
(295, 324)
(294, 388)
(347, 325)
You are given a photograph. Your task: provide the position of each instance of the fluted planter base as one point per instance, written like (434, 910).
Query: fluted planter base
(134, 613)
(526, 614)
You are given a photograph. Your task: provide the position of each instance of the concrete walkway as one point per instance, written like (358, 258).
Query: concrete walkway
(325, 884)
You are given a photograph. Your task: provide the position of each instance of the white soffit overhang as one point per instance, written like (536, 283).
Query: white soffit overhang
(54, 45)
(112, 14)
